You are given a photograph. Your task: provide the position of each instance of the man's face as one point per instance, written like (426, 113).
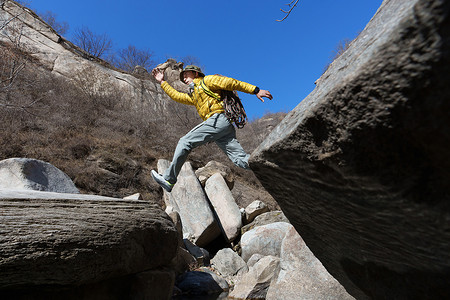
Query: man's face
(189, 76)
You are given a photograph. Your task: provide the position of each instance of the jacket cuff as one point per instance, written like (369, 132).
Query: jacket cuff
(256, 91)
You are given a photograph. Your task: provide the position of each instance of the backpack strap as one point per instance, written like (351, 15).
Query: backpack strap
(208, 91)
(234, 110)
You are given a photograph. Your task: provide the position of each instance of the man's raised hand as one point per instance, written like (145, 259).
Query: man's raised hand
(264, 93)
(158, 74)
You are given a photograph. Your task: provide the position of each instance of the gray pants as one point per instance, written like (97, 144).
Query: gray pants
(215, 129)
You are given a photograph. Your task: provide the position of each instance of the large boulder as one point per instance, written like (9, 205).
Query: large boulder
(201, 282)
(229, 263)
(255, 209)
(264, 219)
(212, 168)
(190, 201)
(301, 275)
(361, 166)
(201, 255)
(256, 282)
(72, 244)
(265, 240)
(33, 174)
(226, 209)
(172, 70)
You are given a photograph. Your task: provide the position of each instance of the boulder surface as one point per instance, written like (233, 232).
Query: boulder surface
(225, 207)
(189, 199)
(361, 166)
(68, 240)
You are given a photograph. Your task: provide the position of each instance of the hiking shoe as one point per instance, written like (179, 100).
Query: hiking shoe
(162, 182)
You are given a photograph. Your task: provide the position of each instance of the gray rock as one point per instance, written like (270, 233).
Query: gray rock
(202, 282)
(201, 255)
(184, 261)
(136, 196)
(254, 259)
(189, 200)
(212, 168)
(255, 283)
(172, 70)
(141, 72)
(254, 209)
(265, 240)
(228, 262)
(176, 219)
(264, 219)
(360, 166)
(33, 174)
(226, 209)
(301, 275)
(68, 240)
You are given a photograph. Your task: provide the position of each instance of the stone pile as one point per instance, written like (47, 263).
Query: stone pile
(268, 256)
(65, 244)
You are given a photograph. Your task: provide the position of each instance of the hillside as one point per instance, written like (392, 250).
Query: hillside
(103, 127)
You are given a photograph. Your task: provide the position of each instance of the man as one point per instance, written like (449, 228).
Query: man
(215, 126)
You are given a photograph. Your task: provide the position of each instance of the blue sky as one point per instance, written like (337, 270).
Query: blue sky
(236, 38)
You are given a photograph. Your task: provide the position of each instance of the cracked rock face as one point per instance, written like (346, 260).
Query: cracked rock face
(361, 166)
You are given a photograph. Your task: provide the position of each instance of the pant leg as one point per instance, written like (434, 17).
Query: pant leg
(208, 131)
(233, 149)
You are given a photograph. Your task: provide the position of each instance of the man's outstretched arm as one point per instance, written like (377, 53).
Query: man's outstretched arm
(170, 91)
(217, 82)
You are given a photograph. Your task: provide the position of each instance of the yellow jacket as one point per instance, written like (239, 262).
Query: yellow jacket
(207, 105)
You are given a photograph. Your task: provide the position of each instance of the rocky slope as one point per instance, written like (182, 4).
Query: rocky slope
(65, 59)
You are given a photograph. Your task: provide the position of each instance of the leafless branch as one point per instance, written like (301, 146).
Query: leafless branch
(14, 71)
(292, 4)
(127, 59)
(50, 18)
(24, 108)
(94, 44)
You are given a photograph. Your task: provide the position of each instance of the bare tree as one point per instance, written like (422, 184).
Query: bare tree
(190, 60)
(97, 45)
(130, 57)
(60, 27)
(338, 51)
(14, 85)
(291, 5)
(12, 63)
(340, 48)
